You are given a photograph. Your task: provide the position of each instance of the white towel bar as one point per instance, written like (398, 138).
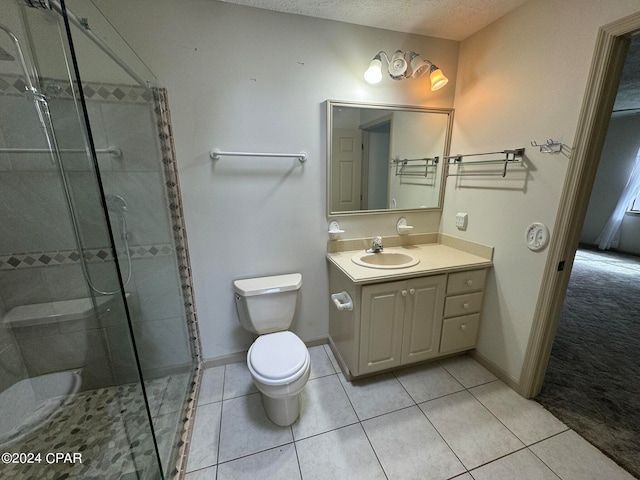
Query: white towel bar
(216, 154)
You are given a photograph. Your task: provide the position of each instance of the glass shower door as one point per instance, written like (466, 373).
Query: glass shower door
(70, 380)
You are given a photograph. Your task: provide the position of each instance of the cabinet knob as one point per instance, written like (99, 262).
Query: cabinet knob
(469, 283)
(463, 327)
(412, 291)
(404, 293)
(465, 305)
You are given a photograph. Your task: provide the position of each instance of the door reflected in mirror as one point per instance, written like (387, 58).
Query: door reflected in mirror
(383, 157)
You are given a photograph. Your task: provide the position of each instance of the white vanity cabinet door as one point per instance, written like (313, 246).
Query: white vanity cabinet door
(423, 318)
(383, 307)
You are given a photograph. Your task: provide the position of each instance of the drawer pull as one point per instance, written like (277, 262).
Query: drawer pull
(404, 293)
(463, 327)
(469, 283)
(465, 305)
(412, 291)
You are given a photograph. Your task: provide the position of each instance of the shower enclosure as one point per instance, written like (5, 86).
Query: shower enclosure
(98, 340)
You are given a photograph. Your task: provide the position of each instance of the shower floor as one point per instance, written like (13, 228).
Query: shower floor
(109, 428)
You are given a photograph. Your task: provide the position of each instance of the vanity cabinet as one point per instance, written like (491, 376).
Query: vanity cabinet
(397, 323)
(400, 323)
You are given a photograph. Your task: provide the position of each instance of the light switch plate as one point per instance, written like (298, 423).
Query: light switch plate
(461, 221)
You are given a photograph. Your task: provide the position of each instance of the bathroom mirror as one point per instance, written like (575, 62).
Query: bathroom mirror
(383, 157)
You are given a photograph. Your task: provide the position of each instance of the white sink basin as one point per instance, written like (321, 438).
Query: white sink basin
(385, 260)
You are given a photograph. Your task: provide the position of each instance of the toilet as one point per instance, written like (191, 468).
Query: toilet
(278, 360)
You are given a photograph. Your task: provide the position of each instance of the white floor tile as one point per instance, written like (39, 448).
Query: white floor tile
(522, 465)
(340, 454)
(320, 362)
(325, 406)
(204, 474)
(467, 371)
(525, 418)
(428, 381)
(203, 450)
(211, 385)
(474, 434)
(237, 381)
(408, 447)
(246, 428)
(573, 458)
(376, 395)
(334, 362)
(278, 463)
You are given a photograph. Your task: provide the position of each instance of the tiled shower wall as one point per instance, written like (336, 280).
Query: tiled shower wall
(39, 261)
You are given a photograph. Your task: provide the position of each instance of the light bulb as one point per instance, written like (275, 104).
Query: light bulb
(374, 72)
(438, 80)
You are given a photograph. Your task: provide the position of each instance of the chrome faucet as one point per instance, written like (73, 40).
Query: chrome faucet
(376, 246)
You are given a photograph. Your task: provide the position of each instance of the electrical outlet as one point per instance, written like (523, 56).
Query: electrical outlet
(461, 221)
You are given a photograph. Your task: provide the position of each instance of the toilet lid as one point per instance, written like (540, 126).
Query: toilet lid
(279, 355)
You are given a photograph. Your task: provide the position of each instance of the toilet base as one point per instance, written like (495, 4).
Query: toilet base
(282, 411)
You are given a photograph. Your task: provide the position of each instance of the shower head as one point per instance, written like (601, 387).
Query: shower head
(116, 204)
(4, 55)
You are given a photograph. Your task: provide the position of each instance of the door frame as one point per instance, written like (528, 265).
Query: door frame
(611, 49)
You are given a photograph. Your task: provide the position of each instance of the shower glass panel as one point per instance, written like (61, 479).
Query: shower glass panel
(95, 355)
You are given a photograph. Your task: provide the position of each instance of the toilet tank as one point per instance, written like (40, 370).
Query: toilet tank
(267, 304)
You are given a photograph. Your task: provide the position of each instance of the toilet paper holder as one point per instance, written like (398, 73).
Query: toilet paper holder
(342, 301)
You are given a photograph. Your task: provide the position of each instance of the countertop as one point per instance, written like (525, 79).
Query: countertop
(436, 257)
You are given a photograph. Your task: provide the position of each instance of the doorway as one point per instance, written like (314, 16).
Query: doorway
(609, 58)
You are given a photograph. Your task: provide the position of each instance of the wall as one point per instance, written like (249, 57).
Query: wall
(246, 79)
(520, 79)
(617, 161)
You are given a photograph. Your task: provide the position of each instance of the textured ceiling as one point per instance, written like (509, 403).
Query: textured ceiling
(449, 19)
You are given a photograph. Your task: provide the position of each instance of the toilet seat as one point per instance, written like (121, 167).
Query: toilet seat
(278, 358)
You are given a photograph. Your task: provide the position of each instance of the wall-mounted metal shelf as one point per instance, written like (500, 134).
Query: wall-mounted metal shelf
(510, 157)
(415, 167)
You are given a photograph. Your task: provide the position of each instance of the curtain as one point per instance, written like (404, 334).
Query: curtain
(610, 235)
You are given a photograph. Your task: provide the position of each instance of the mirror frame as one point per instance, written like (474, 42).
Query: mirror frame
(391, 107)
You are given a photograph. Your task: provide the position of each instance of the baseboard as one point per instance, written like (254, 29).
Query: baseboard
(237, 357)
(496, 370)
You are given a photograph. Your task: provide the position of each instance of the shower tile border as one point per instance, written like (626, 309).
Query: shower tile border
(15, 261)
(174, 197)
(13, 85)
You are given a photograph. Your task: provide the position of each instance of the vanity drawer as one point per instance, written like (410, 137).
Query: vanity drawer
(463, 282)
(463, 304)
(459, 333)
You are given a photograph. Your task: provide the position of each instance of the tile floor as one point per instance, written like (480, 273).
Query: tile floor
(447, 419)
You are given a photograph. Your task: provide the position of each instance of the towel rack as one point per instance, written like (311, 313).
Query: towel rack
(113, 151)
(216, 154)
(510, 156)
(410, 167)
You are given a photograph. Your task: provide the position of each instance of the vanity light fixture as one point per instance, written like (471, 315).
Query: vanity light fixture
(405, 65)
